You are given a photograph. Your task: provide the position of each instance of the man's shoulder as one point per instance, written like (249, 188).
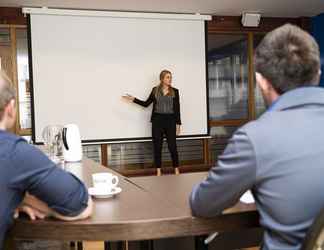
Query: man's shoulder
(262, 123)
(8, 143)
(4, 135)
(268, 130)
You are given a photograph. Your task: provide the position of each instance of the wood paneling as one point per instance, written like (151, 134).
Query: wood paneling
(14, 77)
(12, 16)
(5, 55)
(7, 59)
(232, 24)
(104, 155)
(229, 123)
(197, 167)
(206, 151)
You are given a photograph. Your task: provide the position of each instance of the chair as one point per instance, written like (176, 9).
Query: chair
(314, 239)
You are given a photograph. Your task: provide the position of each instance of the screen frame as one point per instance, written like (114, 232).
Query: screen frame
(115, 140)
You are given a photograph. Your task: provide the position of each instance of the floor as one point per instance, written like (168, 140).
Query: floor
(95, 245)
(98, 245)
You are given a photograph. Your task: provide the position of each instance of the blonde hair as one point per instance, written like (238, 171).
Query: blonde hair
(158, 89)
(7, 91)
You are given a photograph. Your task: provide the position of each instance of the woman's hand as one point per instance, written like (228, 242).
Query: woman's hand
(178, 129)
(128, 97)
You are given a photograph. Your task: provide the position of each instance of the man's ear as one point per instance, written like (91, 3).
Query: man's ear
(263, 83)
(11, 108)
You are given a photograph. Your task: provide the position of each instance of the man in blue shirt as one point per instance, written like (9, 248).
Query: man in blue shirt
(29, 181)
(280, 156)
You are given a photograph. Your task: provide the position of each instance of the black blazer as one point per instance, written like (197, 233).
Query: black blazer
(152, 98)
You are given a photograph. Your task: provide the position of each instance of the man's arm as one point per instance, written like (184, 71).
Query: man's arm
(36, 208)
(235, 174)
(87, 212)
(63, 193)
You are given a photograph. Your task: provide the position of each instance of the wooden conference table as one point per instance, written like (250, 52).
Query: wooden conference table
(148, 208)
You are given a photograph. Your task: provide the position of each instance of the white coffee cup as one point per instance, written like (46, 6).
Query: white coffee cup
(104, 181)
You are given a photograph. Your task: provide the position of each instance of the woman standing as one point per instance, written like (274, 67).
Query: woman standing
(165, 118)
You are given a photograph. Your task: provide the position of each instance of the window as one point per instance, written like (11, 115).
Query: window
(92, 152)
(220, 136)
(5, 51)
(260, 106)
(23, 79)
(14, 61)
(228, 76)
(139, 155)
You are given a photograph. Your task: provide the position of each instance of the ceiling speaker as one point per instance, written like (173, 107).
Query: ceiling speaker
(251, 19)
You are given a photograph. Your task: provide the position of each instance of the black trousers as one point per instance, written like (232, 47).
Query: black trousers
(164, 125)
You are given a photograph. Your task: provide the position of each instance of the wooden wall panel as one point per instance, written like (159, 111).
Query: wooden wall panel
(232, 24)
(12, 16)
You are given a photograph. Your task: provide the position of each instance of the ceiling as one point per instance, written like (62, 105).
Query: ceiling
(270, 8)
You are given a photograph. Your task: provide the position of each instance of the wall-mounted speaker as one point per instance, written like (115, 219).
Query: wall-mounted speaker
(250, 19)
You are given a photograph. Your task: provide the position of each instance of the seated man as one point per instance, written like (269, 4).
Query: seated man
(280, 156)
(23, 168)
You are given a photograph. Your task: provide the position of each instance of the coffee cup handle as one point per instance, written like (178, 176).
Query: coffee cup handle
(115, 180)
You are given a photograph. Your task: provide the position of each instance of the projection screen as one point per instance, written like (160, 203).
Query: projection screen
(81, 65)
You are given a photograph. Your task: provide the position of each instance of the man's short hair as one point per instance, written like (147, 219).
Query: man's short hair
(7, 92)
(288, 57)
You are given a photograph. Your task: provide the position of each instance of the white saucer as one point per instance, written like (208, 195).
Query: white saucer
(99, 193)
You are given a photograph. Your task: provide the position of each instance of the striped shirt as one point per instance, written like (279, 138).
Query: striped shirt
(164, 104)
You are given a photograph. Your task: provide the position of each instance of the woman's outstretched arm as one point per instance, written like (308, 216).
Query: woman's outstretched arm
(146, 103)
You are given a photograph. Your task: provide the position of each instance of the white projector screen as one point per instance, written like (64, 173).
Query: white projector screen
(82, 65)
